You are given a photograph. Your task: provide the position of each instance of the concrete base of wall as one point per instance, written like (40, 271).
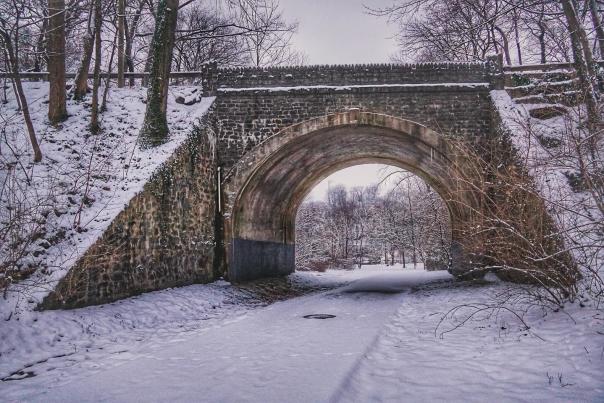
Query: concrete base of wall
(460, 265)
(251, 260)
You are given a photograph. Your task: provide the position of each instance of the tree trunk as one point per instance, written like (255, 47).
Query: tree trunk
(582, 56)
(41, 44)
(129, 62)
(148, 62)
(9, 67)
(14, 64)
(108, 79)
(361, 253)
(346, 244)
(130, 32)
(98, 23)
(506, 46)
(597, 21)
(542, 47)
(577, 27)
(155, 125)
(81, 80)
(413, 240)
(57, 97)
(517, 34)
(121, 11)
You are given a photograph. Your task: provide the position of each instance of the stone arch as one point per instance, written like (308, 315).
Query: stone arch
(263, 191)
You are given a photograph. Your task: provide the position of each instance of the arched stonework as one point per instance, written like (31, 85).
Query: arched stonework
(263, 191)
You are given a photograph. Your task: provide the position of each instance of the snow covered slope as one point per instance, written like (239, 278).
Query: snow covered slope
(83, 182)
(549, 149)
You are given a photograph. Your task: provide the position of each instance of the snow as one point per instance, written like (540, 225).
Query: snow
(349, 87)
(216, 343)
(84, 181)
(487, 359)
(539, 71)
(550, 84)
(393, 282)
(575, 212)
(398, 334)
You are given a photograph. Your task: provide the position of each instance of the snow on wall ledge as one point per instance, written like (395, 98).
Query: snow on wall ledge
(164, 237)
(345, 75)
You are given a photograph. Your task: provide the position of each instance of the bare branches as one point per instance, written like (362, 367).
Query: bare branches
(406, 222)
(13, 62)
(470, 30)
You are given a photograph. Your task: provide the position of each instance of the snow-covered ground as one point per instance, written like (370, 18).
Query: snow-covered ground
(387, 342)
(395, 335)
(548, 148)
(83, 182)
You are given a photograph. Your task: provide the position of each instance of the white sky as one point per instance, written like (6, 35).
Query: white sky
(358, 175)
(341, 32)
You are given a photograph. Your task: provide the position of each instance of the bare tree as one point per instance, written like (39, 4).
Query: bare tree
(267, 39)
(360, 225)
(98, 24)
(596, 20)
(131, 27)
(12, 53)
(584, 63)
(57, 96)
(121, 17)
(81, 80)
(203, 36)
(155, 125)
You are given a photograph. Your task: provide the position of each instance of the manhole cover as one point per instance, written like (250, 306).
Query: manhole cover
(319, 316)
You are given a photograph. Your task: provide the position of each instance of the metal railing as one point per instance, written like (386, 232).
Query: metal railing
(543, 67)
(42, 75)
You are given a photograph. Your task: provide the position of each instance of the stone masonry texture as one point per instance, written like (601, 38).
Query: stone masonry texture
(171, 234)
(163, 238)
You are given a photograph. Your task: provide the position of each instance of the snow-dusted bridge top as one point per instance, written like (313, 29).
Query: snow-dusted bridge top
(215, 80)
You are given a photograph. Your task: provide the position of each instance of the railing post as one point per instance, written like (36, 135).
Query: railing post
(209, 78)
(494, 68)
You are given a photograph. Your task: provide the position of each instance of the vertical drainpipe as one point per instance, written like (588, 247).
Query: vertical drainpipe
(219, 187)
(219, 248)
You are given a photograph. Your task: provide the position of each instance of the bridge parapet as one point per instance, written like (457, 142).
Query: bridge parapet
(345, 75)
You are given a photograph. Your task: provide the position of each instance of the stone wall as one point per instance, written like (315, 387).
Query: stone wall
(342, 75)
(163, 238)
(244, 118)
(171, 234)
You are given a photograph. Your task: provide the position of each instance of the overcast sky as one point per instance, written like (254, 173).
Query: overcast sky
(341, 32)
(358, 175)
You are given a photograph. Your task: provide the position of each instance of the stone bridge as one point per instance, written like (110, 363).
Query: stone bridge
(281, 131)
(225, 204)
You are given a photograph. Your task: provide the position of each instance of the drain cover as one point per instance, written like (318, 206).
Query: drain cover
(319, 316)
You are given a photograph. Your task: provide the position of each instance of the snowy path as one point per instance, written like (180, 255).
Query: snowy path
(380, 347)
(270, 355)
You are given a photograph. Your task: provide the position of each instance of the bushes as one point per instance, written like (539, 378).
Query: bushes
(511, 233)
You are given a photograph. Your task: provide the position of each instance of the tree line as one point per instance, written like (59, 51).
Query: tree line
(407, 224)
(160, 36)
(533, 31)
(153, 36)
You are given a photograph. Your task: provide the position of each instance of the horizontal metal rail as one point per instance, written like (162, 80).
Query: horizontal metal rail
(43, 75)
(542, 67)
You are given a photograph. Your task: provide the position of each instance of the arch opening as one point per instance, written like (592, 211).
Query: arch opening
(372, 214)
(264, 190)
